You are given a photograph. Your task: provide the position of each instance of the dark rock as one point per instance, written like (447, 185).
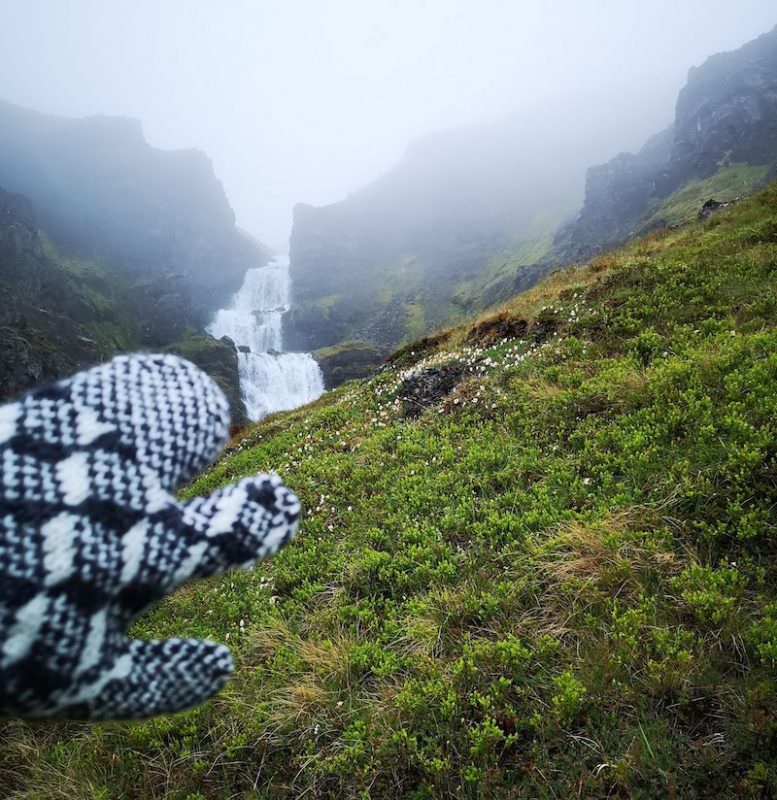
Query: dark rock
(427, 387)
(163, 309)
(543, 329)
(711, 207)
(493, 329)
(347, 362)
(617, 194)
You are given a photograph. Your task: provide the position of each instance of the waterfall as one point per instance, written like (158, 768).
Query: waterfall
(270, 380)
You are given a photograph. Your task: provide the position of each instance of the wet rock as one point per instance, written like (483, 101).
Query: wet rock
(347, 362)
(543, 329)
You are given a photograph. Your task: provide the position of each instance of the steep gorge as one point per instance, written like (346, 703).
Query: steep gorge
(463, 221)
(473, 216)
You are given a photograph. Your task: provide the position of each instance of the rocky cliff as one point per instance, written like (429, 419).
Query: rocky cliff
(102, 192)
(726, 116)
(39, 337)
(109, 245)
(59, 315)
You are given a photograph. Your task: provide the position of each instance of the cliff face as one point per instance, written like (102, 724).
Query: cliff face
(39, 337)
(727, 111)
(101, 192)
(725, 115)
(616, 196)
(59, 315)
(140, 247)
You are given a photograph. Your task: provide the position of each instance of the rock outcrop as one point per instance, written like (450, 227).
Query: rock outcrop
(102, 192)
(346, 362)
(725, 115)
(61, 315)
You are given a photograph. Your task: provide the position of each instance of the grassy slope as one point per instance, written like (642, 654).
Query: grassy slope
(558, 583)
(731, 182)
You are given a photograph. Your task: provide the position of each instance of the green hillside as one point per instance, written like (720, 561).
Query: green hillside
(728, 183)
(557, 581)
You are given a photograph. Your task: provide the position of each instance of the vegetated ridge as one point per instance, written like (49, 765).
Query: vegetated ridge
(537, 560)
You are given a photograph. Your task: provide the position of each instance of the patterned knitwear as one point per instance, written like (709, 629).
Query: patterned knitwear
(91, 534)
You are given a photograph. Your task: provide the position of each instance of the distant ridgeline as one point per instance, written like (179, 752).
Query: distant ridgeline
(106, 245)
(461, 222)
(472, 217)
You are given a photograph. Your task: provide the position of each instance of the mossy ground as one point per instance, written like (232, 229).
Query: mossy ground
(560, 582)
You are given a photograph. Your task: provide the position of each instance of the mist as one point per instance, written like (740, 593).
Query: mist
(304, 101)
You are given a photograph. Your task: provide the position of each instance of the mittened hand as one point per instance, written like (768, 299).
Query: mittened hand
(90, 535)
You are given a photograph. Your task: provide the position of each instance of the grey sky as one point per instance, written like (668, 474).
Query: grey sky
(306, 100)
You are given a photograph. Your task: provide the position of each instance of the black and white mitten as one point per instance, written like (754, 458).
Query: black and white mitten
(90, 535)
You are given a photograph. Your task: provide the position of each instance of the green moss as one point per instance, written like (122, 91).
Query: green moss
(326, 304)
(399, 281)
(558, 582)
(497, 281)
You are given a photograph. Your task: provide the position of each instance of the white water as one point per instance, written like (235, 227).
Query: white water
(270, 380)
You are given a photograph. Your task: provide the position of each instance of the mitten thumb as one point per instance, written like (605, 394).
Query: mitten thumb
(237, 525)
(157, 677)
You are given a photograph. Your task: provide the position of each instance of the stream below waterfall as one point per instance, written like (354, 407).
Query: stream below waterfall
(270, 380)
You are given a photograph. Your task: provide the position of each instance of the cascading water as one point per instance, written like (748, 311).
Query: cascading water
(270, 380)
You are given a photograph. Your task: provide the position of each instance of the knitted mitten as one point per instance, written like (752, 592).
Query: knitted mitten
(90, 535)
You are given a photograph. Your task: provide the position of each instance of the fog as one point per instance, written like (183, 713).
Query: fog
(307, 100)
